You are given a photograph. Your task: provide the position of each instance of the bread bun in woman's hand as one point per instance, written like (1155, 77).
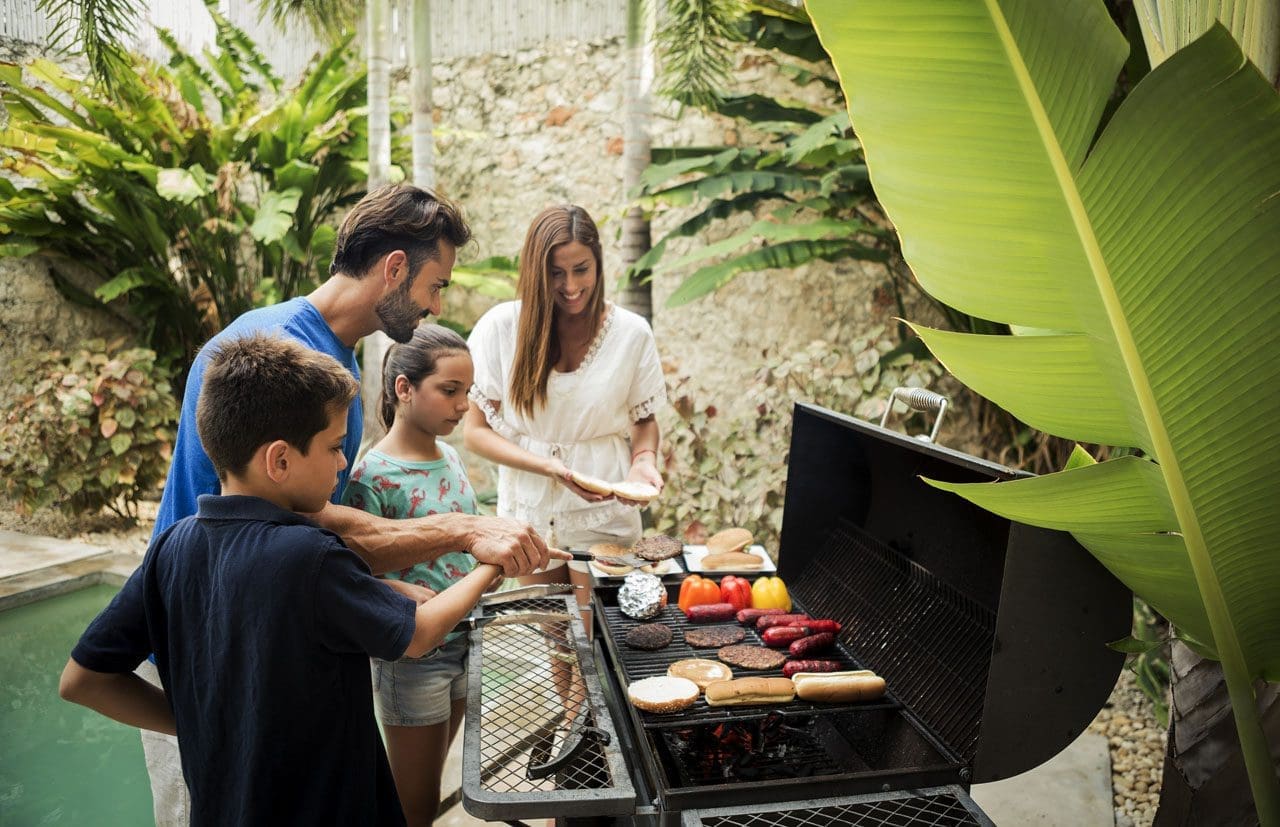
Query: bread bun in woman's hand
(639, 492)
(742, 691)
(838, 687)
(590, 483)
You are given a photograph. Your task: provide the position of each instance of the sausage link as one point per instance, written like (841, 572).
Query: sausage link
(816, 626)
(748, 617)
(711, 612)
(782, 635)
(780, 620)
(793, 666)
(811, 644)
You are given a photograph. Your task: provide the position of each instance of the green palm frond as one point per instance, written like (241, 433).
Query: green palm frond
(97, 29)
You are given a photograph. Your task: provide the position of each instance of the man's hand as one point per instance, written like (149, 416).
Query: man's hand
(418, 594)
(510, 544)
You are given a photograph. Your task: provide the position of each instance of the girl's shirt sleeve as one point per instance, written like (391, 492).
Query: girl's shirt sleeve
(648, 387)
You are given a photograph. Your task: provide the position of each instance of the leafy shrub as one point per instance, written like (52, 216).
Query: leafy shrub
(722, 472)
(89, 430)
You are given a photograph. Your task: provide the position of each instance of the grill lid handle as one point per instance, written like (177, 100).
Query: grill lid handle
(580, 735)
(918, 399)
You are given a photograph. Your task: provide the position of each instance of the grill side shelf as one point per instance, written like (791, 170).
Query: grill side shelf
(528, 687)
(947, 806)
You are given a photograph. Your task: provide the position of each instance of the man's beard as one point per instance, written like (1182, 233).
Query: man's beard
(399, 315)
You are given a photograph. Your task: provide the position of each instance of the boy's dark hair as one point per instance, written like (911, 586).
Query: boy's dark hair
(415, 360)
(397, 217)
(262, 387)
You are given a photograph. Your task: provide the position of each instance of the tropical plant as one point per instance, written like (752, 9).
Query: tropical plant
(195, 191)
(1145, 257)
(89, 429)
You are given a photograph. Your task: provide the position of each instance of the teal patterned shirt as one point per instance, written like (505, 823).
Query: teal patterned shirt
(399, 489)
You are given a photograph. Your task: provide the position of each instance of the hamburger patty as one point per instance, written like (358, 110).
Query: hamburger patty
(752, 657)
(649, 636)
(713, 637)
(658, 547)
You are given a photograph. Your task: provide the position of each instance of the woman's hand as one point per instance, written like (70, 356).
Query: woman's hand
(645, 470)
(561, 473)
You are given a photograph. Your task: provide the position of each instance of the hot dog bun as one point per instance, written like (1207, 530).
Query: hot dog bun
(731, 539)
(750, 691)
(732, 560)
(662, 694)
(838, 687)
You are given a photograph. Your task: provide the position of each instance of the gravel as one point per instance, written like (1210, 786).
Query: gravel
(1136, 742)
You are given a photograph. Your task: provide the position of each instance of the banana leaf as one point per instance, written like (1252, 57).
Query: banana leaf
(1152, 247)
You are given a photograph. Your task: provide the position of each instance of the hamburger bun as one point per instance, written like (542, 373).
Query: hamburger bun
(700, 671)
(640, 492)
(605, 556)
(612, 569)
(595, 486)
(742, 691)
(663, 694)
(732, 561)
(838, 687)
(660, 567)
(731, 539)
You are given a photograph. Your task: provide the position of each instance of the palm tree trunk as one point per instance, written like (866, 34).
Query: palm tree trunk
(637, 297)
(424, 170)
(375, 345)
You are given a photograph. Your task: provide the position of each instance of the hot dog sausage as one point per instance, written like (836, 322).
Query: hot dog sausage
(782, 635)
(748, 617)
(710, 612)
(816, 626)
(780, 620)
(791, 667)
(812, 644)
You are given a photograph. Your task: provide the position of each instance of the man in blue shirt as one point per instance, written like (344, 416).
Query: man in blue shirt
(393, 257)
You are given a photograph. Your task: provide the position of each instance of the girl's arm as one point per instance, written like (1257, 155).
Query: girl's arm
(122, 697)
(437, 617)
(644, 452)
(479, 436)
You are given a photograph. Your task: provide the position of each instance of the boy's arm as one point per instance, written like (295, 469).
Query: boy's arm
(123, 697)
(437, 617)
(390, 545)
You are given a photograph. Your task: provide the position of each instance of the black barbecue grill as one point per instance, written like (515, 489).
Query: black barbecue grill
(990, 635)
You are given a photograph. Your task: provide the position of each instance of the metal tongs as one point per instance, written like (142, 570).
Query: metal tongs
(477, 621)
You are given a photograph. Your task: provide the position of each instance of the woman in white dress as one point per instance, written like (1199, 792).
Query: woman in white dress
(565, 382)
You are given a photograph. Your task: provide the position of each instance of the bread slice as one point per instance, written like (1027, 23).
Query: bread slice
(663, 694)
(592, 484)
(701, 671)
(732, 561)
(640, 492)
(742, 691)
(731, 539)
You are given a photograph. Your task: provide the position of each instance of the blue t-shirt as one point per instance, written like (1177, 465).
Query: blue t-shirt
(191, 473)
(262, 624)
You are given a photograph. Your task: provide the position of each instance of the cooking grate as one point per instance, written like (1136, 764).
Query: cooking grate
(937, 807)
(929, 641)
(536, 688)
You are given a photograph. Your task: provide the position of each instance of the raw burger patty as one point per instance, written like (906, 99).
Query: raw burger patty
(658, 547)
(752, 657)
(649, 636)
(713, 637)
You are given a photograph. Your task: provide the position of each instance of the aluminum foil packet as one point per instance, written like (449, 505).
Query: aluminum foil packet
(642, 596)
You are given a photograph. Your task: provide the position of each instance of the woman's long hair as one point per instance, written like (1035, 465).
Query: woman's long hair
(537, 346)
(415, 360)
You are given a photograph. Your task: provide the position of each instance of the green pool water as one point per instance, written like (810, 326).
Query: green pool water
(59, 762)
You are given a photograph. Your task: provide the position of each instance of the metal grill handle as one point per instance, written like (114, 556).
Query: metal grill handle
(919, 399)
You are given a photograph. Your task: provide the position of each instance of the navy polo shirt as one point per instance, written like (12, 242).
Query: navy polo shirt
(262, 624)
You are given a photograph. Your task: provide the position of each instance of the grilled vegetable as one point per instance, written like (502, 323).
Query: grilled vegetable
(780, 620)
(812, 644)
(748, 617)
(791, 667)
(710, 612)
(735, 590)
(783, 635)
(696, 590)
(770, 593)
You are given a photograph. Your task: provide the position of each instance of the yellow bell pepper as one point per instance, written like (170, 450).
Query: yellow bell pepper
(770, 593)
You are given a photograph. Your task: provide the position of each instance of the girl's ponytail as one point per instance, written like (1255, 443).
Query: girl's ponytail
(415, 360)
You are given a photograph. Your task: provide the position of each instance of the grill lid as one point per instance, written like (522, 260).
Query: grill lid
(993, 633)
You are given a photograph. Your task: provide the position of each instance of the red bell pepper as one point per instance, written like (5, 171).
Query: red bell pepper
(735, 590)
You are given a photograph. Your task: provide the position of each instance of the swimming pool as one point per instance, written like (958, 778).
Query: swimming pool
(61, 763)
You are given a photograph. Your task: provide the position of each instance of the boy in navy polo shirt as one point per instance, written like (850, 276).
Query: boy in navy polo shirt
(261, 621)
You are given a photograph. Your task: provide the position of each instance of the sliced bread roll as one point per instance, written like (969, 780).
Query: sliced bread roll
(640, 492)
(592, 484)
(732, 561)
(731, 539)
(743, 691)
(701, 671)
(838, 687)
(662, 694)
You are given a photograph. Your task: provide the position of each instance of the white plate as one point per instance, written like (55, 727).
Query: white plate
(668, 567)
(693, 561)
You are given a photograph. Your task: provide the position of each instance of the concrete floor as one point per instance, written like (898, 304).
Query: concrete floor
(1071, 790)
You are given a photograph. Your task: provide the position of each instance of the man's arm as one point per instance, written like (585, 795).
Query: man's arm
(123, 697)
(390, 545)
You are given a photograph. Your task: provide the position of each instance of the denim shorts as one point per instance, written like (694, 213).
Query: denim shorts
(420, 691)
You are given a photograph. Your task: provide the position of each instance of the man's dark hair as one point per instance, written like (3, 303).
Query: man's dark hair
(263, 387)
(397, 217)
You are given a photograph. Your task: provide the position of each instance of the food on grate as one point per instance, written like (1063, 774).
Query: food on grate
(751, 657)
(649, 636)
(838, 687)
(750, 691)
(592, 484)
(782, 620)
(713, 637)
(660, 567)
(731, 539)
(657, 547)
(604, 556)
(823, 625)
(663, 694)
(700, 670)
(793, 667)
(639, 492)
(642, 596)
(812, 645)
(748, 617)
(710, 612)
(783, 635)
(732, 561)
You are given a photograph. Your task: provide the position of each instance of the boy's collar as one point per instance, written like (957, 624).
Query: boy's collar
(242, 507)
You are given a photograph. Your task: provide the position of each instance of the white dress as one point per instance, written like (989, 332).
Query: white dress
(586, 422)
